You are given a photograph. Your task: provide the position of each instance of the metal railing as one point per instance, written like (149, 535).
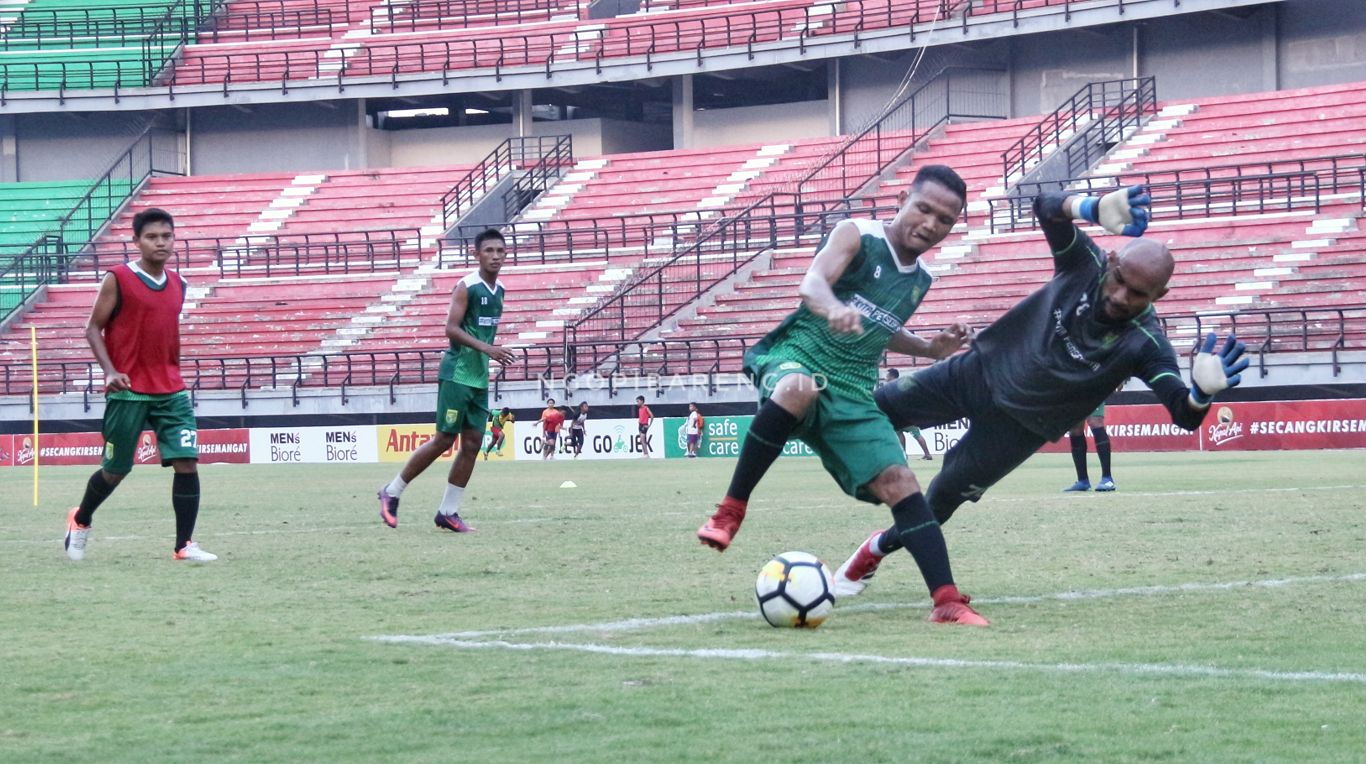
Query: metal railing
(1203, 192)
(1267, 332)
(99, 27)
(512, 154)
(42, 262)
(1089, 102)
(644, 37)
(953, 93)
(271, 255)
(542, 172)
(257, 22)
(460, 14)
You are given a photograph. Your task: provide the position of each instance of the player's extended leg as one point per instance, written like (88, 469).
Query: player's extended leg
(1102, 438)
(1077, 437)
(920, 534)
(448, 514)
(792, 397)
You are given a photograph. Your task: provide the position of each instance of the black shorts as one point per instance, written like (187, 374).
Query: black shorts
(994, 445)
(576, 438)
(644, 428)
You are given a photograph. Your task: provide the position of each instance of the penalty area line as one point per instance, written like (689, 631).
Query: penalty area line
(635, 624)
(1194, 671)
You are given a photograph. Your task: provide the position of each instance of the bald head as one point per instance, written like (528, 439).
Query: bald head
(1137, 277)
(1150, 258)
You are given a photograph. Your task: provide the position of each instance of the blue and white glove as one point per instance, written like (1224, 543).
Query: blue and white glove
(1213, 373)
(1125, 211)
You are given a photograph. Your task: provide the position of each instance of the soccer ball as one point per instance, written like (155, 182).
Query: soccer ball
(794, 590)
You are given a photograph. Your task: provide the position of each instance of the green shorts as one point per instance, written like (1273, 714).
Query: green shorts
(913, 430)
(171, 417)
(461, 407)
(854, 439)
(1100, 410)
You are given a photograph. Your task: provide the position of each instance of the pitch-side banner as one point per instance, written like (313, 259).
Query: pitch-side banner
(603, 439)
(1253, 426)
(313, 445)
(227, 446)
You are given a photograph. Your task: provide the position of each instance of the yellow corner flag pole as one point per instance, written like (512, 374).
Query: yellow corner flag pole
(33, 346)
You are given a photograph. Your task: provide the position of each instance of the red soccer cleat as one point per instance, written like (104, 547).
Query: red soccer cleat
(952, 607)
(857, 571)
(722, 527)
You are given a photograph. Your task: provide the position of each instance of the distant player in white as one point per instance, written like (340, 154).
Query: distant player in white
(694, 430)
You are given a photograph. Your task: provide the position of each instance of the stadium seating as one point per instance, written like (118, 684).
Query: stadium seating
(64, 44)
(28, 210)
(1297, 259)
(441, 38)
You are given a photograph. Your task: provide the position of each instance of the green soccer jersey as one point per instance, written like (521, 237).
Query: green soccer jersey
(465, 365)
(876, 285)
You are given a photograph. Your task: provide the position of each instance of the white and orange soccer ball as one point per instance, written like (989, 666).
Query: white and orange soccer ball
(794, 590)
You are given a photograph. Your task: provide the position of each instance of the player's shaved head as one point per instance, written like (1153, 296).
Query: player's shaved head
(1149, 258)
(1135, 278)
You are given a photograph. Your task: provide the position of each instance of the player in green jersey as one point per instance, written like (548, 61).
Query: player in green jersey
(462, 400)
(816, 372)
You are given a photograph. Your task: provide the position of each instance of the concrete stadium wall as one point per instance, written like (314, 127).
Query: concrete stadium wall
(276, 138)
(756, 124)
(456, 145)
(1320, 42)
(68, 146)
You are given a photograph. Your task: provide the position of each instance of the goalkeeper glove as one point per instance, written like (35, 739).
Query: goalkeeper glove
(1120, 212)
(1212, 373)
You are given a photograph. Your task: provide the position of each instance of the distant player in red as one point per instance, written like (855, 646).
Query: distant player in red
(646, 417)
(551, 421)
(134, 332)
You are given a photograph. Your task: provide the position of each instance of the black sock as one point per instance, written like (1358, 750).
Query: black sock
(768, 433)
(924, 539)
(1079, 455)
(97, 489)
(185, 501)
(1102, 449)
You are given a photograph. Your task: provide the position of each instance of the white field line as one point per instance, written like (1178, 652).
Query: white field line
(1137, 669)
(634, 624)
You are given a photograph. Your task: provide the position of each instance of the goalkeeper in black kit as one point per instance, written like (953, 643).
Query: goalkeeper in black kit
(1050, 360)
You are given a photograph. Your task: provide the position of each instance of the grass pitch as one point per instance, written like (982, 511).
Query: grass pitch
(1217, 613)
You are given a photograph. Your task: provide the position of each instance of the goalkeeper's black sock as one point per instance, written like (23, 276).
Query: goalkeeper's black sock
(97, 489)
(1079, 455)
(768, 433)
(185, 501)
(920, 533)
(1102, 449)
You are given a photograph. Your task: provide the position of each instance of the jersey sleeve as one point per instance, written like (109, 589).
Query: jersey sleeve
(1070, 245)
(1160, 372)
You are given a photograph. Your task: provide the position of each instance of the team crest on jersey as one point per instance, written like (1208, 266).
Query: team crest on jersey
(452, 416)
(109, 451)
(1108, 340)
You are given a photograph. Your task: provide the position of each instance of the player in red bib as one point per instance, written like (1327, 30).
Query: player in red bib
(551, 421)
(644, 416)
(134, 332)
